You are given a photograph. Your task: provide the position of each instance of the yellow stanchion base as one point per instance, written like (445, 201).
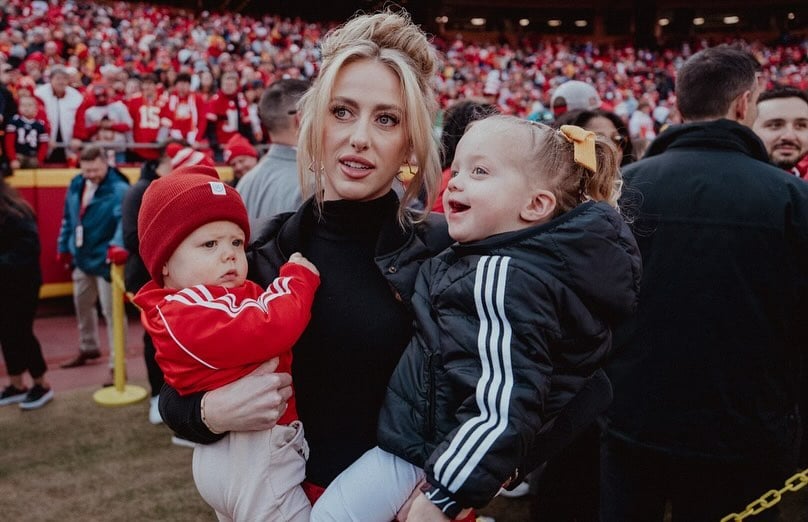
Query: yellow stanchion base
(110, 396)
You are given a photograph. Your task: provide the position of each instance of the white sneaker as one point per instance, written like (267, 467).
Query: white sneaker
(519, 491)
(154, 410)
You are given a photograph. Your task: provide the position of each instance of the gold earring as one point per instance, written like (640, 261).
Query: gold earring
(407, 172)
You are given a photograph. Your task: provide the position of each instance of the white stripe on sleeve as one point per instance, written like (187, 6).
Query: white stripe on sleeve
(493, 392)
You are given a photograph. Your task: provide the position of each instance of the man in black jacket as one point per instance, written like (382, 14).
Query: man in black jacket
(706, 375)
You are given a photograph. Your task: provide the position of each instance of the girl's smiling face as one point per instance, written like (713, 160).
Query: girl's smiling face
(491, 185)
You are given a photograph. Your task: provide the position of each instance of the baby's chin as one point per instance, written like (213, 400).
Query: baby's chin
(230, 282)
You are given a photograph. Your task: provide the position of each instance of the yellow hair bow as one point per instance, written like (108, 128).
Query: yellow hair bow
(583, 142)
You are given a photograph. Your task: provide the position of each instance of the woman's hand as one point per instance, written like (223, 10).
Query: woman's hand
(254, 402)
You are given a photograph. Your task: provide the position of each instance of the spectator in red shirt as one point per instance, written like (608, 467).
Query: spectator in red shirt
(107, 122)
(206, 85)
(227, 114)
(184, 112)
(252, 93)
(147, 126)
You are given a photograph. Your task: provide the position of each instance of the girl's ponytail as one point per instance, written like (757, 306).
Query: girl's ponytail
(595, 163)
(605, 183)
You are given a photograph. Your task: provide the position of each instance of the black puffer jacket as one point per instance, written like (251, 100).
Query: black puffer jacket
(709, 366)
(508, 330)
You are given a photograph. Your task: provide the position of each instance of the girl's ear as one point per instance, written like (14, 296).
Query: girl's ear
(165, 270)
(540, 208)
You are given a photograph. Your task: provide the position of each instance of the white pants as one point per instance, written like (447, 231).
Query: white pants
(87, 289)
(372, 489)
(255, 476)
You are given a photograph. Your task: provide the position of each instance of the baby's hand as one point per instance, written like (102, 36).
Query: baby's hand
(298, 259)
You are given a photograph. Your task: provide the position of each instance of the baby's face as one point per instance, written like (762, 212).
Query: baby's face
(213, 255)
(489, 185)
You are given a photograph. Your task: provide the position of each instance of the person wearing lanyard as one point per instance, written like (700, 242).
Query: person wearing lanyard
(91, 223)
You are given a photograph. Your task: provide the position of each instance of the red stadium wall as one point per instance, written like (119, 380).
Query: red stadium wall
(45, 190)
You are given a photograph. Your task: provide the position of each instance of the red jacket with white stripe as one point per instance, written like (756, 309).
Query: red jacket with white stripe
(508, 330)
(209, 336)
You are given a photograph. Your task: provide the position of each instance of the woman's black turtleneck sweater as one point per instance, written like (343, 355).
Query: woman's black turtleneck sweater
(356, 323)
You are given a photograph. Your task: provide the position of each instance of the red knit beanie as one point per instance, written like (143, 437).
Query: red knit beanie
(186, 157)
(238, 146)
(196, 169)
(175, 205)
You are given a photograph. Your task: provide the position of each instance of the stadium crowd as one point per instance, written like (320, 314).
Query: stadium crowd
(129, 75)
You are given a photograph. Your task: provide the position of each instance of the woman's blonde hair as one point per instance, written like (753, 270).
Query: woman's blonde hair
(392, 39)
(551, 155)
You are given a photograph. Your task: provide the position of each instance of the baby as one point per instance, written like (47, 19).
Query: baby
(211, 326)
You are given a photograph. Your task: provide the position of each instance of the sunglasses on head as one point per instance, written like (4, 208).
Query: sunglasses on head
(617, 139)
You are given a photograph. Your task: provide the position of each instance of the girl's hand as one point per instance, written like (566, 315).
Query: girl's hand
(253, 403)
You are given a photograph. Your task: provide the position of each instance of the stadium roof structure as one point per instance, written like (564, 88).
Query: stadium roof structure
(646, 21)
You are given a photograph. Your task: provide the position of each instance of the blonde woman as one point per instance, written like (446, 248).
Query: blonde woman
(369, 111)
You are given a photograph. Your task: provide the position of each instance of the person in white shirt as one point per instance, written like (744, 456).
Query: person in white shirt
(61, 103)
(641, 125)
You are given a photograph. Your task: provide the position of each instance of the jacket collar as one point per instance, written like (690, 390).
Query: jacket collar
(109, 179)
(716, 134)
(276, 150)
(507, 238)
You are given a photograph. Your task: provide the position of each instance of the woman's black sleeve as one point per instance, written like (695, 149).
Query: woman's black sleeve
(184, 416)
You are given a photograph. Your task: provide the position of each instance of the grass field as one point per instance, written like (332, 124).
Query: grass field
(74, 460)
